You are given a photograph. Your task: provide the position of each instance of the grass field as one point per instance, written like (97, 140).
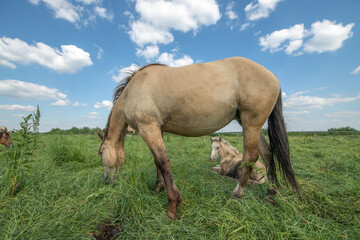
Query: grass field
(58, 192)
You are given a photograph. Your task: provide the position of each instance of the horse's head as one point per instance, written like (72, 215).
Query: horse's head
(112, 155)
(5, 138)
(215, 148)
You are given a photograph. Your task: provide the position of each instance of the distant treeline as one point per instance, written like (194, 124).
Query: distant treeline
(74, 130)
(331, 131)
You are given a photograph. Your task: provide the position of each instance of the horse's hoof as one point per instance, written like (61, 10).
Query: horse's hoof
(110, 181)
(237, 195)
(173, 215)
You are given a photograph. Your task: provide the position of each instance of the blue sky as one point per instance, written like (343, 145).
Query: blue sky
(67, 56)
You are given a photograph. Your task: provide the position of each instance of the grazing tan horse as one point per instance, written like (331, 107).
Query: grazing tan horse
(5, 138)
(197, 100)
(231, 160)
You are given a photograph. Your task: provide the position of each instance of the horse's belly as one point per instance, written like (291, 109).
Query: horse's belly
(198, 125)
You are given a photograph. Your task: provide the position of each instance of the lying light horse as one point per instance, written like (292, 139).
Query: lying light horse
(130, 130)
(231, 160)
(5, 138)
(197, 100)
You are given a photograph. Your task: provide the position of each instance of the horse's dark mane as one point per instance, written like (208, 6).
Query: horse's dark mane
(120, 88)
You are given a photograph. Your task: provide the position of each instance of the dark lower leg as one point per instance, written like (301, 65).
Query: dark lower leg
(159, 181)
(244, 172)
(173, 194)
(267, 156)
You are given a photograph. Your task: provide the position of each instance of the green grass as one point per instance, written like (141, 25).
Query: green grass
(61, 194)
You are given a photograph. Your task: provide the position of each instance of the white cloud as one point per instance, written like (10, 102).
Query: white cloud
(168, 59)
(62, 9)
(346, 114)
(143, 33)
(100, 52)
(288, 39)
(231, 15)
(244, 26)
(104, 104)
(324, 36)
(77, 104)
(258, 9)
(103, 13)
(79, 13)
(25, 90)
(93, 115)
(327, 36)
(16, 107)
(149, 52)
(300, 101)
(159, 17)
(183, 15)
(295, 114)
(60, 102)
(124, 72)
(293, 46)
(88, 2)
(69, 60)
(356, 70)
(230, 12)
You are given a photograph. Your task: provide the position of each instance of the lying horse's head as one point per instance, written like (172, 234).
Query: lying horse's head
(215, 148)
(5, 138)
(112, 155)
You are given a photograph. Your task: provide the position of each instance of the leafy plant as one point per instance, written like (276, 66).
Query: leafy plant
(36, 124)
(21, 154)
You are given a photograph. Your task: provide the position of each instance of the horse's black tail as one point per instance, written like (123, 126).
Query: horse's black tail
(279, 145)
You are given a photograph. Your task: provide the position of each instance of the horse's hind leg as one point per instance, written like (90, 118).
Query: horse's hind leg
(266, 155)
(251, 155)
(151, 134)
(159, 178)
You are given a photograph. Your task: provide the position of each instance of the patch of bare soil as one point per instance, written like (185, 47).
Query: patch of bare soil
(107, 230)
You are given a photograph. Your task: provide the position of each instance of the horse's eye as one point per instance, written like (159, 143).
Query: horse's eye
(217, 147)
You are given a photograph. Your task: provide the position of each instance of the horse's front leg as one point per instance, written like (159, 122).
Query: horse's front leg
(217, 169)
(251, 155)
(151, 134)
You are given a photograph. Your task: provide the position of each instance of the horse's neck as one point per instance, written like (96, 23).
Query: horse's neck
(116, 125)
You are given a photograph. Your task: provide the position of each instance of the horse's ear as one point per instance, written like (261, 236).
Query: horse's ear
(101, 136)
(220, 139)
(211, 139)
